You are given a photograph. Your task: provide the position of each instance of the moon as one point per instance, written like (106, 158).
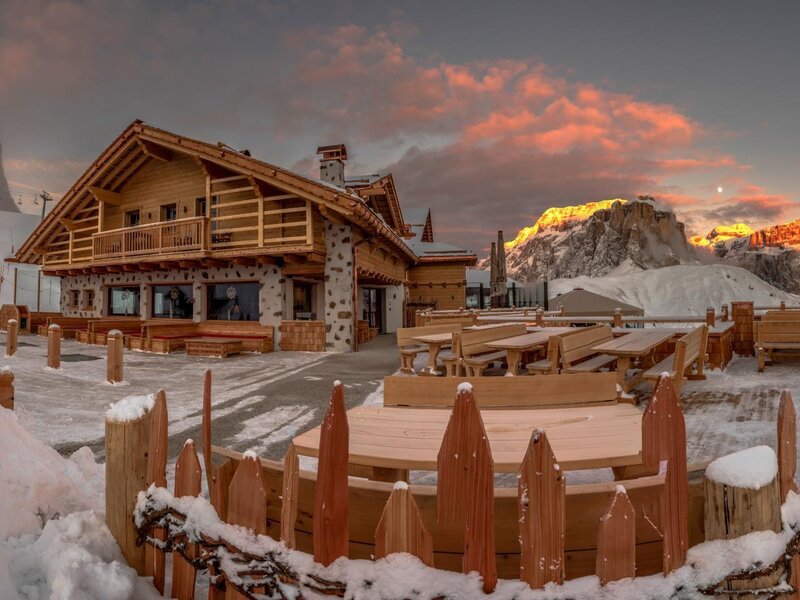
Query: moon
(719, 189)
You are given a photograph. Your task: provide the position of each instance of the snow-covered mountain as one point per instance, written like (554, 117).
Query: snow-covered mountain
(595, 239)
(679, 290)
(15, 227)
(7, 203)
(772, 253)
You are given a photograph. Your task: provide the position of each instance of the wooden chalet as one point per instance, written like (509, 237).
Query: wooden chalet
(165, 227)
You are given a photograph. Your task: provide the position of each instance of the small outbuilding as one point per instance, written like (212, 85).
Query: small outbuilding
(580, 302)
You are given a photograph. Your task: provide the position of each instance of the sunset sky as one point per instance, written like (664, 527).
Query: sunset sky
(488, 112)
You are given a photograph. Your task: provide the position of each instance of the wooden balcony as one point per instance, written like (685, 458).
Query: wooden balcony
(169, 237)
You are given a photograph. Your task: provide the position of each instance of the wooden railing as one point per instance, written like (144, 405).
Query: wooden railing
(182, 235)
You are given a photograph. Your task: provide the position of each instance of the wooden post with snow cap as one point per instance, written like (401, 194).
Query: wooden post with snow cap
(11, 337)
(711, 317)
(542, 514)
(742, 494)
(616, 540)
(725, 315)
(188, 478)
(331, 493)
(401, 529)
(539, 317)
(157, 475)
(783, 305)
(6, 388)
(618, 317)
(247, 503)
(114, 356)
(54, 346)
(465, 485)
(561, 310)
(127, 439)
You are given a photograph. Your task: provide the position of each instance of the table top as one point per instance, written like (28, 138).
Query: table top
(635, 343)
(434, 338)
(409, 438)
(529, 340)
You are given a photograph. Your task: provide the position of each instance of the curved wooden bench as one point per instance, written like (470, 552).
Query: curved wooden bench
(585, 505)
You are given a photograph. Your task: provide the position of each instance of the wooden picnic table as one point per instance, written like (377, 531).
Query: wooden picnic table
(435, 342)
(517, 345)
(632, 345)
(396, 439)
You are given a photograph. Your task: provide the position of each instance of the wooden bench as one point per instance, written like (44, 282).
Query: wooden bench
(576, 350)
(583, 389)
(70, 326)
(775, 332)
(409, 348)
(213, 346)
(165, 337)
(690, 352)
(550, 364)
(471, 352)
(97, 330)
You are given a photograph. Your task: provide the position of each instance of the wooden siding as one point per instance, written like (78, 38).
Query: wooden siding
(442, 283)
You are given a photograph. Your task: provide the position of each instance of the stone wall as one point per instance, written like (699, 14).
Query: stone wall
(339, 309)
(272, 298)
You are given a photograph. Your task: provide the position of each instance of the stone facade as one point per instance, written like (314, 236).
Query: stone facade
(339, 269)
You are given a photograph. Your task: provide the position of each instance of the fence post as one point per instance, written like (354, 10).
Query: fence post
(126, 445)
(331, 532)
(787, 445)
(561, 310)
(466, 471)
(54, 346)
(114, 356)
(188, 477)
(617, 317)
(783, 305)
(725, 314)
(711, 317)
(539, 317)
(247, 503)
(743, 328)
(6, 388)
(400, 528)
(291, 487)
(542, 514)
(11, 337)
(157, 474)
(616, 540)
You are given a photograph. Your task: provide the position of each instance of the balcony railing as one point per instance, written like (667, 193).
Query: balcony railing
(182, 235)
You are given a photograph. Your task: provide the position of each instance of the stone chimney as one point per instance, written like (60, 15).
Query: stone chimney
(331, 164)
(6, 201)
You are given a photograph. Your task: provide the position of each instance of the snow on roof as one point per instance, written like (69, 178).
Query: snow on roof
(476, 277)
(421, 248)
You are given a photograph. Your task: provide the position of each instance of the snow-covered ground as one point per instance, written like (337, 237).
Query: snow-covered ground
(678, 290)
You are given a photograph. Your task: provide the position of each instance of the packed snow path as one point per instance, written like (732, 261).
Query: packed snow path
(260, 401)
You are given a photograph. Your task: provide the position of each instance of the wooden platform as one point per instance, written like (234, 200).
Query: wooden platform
(213, 346)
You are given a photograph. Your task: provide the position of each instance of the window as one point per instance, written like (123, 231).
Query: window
(123, 301)
(303, 292)
(200, 207)
(371, 303)
(74, 298)
(88, 300)
(169, 212)
(132, 218)
(232, 302)
(172, 301)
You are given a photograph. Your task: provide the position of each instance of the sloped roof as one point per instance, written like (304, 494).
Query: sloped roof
(584, 302)
(128, 152)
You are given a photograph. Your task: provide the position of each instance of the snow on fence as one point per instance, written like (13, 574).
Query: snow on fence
(248, 563)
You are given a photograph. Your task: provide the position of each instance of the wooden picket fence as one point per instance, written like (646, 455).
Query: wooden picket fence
(657, 491)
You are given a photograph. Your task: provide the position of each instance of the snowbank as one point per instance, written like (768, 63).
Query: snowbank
(678, 290)
(54, 542)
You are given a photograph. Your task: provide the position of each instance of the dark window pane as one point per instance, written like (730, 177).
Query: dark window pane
(232, 302)
(123, 301)
(172, 301)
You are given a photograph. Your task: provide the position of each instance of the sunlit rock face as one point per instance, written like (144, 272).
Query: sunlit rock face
(721, 233)
(786, 235)
(596, 238)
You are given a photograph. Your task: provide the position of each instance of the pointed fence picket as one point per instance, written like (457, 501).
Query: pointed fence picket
(291, 484)
(157, 474)
(542, 514)
(616, 540)
(401, 528)
(465, 485)
(787, 445)
(331, 494)
(188, 479)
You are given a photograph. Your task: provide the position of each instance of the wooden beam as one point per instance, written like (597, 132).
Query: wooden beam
(332, 216)
(69, 224)
(215, 262)
(101, 195)
(168, 264)
(115, 269)
(297, 259)
(244, 261)
(155, 151)
(268, 260)
(188, 264)
(213, 170)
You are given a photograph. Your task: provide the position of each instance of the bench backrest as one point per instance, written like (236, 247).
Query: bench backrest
(177, 328)
(405, 335)
(545, 391)
(776, 331)
(696, 341)
(575, 346)
(585, 505)
(473, 341)
(234, 328)
(781, 315)
(105, 325)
